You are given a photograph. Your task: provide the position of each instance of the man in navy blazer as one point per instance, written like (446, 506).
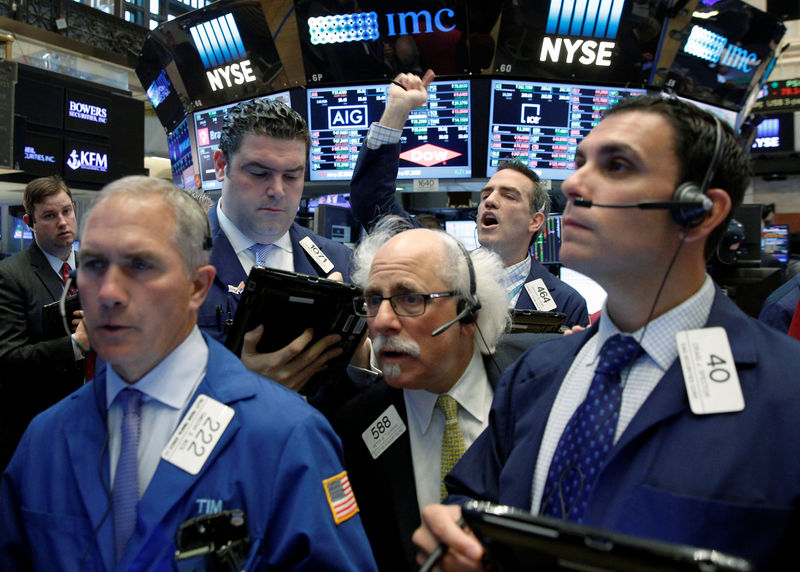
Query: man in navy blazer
(512, 211)
(703, 449)
(261, 162)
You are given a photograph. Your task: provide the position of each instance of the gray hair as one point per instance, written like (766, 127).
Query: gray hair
(493, 317)
(192, 234)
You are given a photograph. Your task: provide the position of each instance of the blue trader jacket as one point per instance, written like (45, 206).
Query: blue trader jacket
(221, 302)
(270, 461)
(726, 481)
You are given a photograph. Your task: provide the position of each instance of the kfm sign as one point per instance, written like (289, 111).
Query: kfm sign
(364, 26)
(222, 52)
(581, 31)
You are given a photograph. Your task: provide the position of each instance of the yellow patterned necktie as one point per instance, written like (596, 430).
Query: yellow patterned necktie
(452, 441)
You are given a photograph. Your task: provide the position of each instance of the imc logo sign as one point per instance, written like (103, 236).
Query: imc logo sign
(715, 48)
(589, 27)
(362, 26)
(222, 52)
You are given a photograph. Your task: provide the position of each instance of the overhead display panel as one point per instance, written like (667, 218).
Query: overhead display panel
(358, 40)
(435, 142)
(541, 124)
(223, 52)
(612, 41)
(720, 53)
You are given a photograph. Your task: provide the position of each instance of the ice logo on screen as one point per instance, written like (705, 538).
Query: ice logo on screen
(88, 160)
(585, 19)
(767, 134)
(715, 48)
(220, 46)
(343, 28)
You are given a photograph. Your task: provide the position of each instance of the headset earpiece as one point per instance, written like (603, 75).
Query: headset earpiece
(696, 204)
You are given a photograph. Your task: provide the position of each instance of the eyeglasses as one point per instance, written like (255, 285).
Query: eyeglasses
(411, 304)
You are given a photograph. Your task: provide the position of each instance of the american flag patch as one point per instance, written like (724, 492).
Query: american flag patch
(340, 497)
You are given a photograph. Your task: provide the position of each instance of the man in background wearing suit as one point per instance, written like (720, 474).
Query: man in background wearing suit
(37, 370)
(261, 162)
(652, 422)
(513, 206)
(433, 322)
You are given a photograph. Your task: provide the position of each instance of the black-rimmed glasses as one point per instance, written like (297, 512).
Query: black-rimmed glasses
(411, 304)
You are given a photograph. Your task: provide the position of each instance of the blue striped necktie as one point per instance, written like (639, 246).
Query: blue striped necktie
(261, 251)
(126, 479)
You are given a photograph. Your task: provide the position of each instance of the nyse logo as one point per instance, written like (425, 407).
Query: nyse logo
(222, 52)
(88, 160)
(362, 26)
(581, 19)
(350, 116)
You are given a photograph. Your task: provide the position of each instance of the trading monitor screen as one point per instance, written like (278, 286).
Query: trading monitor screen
(180, 154)
(775, 241)
(464, 230)
(775, 132)
(541, 124)
(547, 245)
(208, 128)
(435, 141)
(366, 40)
(720, 54)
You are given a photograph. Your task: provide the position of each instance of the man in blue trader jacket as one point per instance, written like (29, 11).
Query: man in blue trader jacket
(173, 427)
(702, 449)
(261, 162)
(512, 210)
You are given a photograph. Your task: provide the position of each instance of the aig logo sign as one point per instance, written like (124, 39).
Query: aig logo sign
(592, 25)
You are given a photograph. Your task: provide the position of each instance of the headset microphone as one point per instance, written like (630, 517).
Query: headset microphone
(467, 308)
(693, 200)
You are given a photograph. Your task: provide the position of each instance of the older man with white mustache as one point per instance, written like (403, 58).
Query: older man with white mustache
(435, 314)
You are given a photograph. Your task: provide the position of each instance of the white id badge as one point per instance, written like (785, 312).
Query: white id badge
(198, 434)
(317, 254)
(709, 371)
(540, 295)
(383, 431)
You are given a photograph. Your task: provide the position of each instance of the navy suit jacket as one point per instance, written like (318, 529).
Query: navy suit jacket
(36, 371)
(372, 197)
(385, 487)
(727, 481)
(220, 304)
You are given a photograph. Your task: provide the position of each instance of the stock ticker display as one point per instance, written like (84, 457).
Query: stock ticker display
(541, 124)
(435, 142)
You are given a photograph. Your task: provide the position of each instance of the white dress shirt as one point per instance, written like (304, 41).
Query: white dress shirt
(166, 390)
(474, 395)
(279, 258)
(638, 380)
(56, 263)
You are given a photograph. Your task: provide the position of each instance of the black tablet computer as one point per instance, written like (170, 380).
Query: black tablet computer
(287, 304)
(516, 540)
(536, 322)
(53, 323)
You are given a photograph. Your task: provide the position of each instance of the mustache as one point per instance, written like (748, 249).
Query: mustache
(384, 343)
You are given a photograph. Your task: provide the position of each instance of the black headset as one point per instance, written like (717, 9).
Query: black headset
(693, 204)
(467, 308)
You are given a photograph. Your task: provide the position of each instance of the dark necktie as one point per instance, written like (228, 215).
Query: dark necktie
(64, 276)
(126, 479)
(589, 435)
